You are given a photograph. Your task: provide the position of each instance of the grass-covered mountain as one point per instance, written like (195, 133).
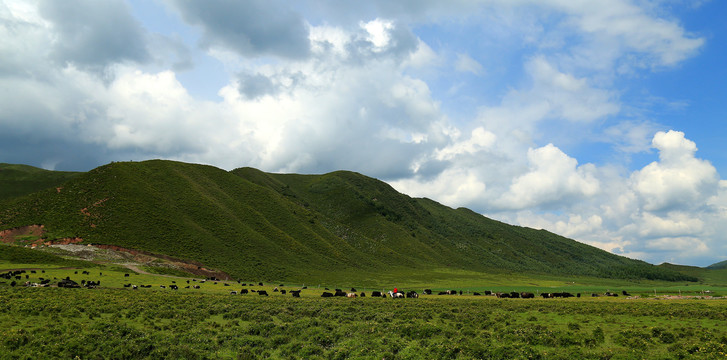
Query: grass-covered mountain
(17, 180)
(718, 266)
(337, 226)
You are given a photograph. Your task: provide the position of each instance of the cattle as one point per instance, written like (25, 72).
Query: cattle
(243, 291)
(488, 292)
(275, 289)
(162, 286)
(173, 287)
(295, 293)
(412, 295)
(127, 285)
(243, 284)
(546, 295)
(13, 283)
(134, 287)
(326, 294)
(226, 284)
(126, 275)
(282, 292)
(594, 295)
(262, 293)
(363, 294)
(195, 287)
(376, 293)
(527, 295)
(260, 284)
(304, 287)
(351, 295)
(502, 295)
(68, 283)
(32, 271)
(625, 293)
(443, 293)
(427, 291)
(476, 294)
(514, 295)
(340, 293)
(353, 289)
(233, 292)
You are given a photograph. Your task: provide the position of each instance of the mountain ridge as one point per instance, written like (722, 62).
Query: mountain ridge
(253, 224)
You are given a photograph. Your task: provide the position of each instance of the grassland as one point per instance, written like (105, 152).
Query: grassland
(70, 323)
(114, 321)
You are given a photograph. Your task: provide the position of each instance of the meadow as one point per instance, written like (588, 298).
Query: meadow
(116, 322)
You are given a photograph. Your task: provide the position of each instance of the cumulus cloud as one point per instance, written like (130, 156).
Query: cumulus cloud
(251, 28)
(93, 34)
(678, 180)
(553, 177)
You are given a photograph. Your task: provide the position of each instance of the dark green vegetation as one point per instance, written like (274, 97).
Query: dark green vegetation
(719, 265)
(18, 180)
(341, 227)
(66, 323)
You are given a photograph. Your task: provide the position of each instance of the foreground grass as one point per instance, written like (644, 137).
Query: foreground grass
(118, 323)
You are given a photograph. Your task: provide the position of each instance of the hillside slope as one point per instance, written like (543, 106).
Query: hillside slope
(18, 180)
(256, 225)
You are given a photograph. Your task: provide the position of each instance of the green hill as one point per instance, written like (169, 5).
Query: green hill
(18, 180)
(340, 226)
(719, 265)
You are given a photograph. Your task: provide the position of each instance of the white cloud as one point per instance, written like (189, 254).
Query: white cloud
(378, 33)
(465, 63)
(553, 177)
(679, 180)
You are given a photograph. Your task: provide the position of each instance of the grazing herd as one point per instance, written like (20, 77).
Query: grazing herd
(18, 275)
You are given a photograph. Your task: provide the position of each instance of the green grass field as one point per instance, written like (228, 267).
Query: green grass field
(116, 323)
(113, 321)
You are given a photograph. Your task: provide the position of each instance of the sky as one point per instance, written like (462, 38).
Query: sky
(602, 121)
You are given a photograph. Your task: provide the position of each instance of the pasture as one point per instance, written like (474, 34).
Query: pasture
(116, 322)
(119, 323)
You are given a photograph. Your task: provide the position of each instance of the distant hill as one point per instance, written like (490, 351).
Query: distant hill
(719, 265)
(18, 180)
(331, 227)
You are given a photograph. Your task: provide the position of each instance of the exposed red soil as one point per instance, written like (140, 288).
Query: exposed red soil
(193, 267)
(10, 235)
(189, 266)
(64, 241)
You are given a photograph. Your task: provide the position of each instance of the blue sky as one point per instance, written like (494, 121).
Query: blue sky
(598, 120)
